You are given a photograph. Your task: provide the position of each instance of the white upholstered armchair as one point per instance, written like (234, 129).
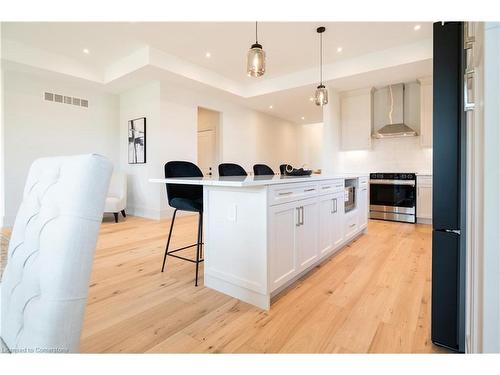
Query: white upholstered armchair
(116, 200)
(45, 282)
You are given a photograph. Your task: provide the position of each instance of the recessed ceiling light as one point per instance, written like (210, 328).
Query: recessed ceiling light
(86, 51)
(311, 99)
(208, 55)
(271, 106)
(302, 118)
(339, 49)
(416, 27)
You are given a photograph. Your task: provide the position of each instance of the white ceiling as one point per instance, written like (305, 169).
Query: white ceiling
(291, 47)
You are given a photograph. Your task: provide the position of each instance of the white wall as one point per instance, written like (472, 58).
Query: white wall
(491, 255)
(2, 152)
(246, 137)
(143, 197)
(311, 145)
(35, 128)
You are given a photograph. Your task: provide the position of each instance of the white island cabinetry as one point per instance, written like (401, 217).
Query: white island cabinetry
(262, 233)
(424, 199)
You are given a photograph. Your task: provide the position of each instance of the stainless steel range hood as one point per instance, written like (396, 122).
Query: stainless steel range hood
(396, 127)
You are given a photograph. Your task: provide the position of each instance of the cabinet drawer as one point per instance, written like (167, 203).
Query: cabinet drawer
(331, 186)
(363, 181)
(289, 193)
(351, 223)
(424, 181)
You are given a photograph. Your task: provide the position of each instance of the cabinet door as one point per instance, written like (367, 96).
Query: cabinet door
(326, 224)
(426, 113)
(363, 207)
(307, 233)
(424, 202)
(338, 220)
(283, 221)
(356, 119)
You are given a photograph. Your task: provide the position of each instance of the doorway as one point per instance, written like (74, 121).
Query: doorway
(208, 141)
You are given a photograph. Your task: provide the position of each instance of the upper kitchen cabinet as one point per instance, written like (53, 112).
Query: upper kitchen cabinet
(426, 111)
(356, 113)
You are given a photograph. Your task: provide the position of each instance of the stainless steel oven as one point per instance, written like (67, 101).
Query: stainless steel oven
(393, 196)
(350, 198)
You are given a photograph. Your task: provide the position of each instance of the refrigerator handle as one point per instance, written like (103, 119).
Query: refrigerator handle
(469, 91)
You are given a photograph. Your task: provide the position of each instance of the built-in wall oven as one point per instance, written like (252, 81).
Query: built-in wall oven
(393, 196)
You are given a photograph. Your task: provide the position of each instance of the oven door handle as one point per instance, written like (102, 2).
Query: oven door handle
(392, 182)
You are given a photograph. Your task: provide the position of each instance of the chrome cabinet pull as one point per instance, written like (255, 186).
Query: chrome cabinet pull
(298, 217)
(334, 206)
(302, 215)
(312, 189)
(287, 193)
(469, 91)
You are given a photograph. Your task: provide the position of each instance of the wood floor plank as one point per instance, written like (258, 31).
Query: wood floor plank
(372, 296)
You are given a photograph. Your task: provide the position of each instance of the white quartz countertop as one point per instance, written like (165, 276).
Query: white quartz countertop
(242, 181)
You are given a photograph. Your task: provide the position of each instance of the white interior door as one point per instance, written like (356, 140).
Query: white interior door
(207, 152)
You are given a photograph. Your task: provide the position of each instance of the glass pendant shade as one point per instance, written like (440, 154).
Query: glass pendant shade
(256, 61)
(321, 95)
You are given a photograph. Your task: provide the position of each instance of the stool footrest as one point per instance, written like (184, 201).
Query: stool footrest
(187, 259)
(185, 247)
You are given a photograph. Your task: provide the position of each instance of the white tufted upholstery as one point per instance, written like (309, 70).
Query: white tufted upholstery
(116, 199)
(45, 283)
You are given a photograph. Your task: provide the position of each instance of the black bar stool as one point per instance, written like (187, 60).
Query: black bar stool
(262, 170)
(185, 198)
(230, 169)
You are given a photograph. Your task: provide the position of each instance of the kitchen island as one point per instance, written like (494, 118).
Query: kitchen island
(264, 232)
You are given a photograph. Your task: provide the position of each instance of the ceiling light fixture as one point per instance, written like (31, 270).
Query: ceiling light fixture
(208, 55)
(339, 49)
(86, 51)
(416, 27)
(271, 106)
(302, 118)
(321, 94)
(256, 58)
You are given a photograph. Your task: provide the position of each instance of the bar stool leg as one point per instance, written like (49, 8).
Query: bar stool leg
(201, 236)
(198, 247)
(168, 241)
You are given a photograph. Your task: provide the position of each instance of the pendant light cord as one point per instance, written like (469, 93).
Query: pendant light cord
(321, 58)
(256, 39)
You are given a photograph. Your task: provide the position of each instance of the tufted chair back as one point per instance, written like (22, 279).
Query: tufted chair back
(45, 283)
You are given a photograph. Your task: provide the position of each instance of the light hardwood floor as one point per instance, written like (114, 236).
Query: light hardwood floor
(372, 296)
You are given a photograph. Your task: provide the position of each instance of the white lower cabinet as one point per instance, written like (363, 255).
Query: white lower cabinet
(294, 239)
(424, 199)
(350, 224)
(326, 225)
(306, 233)
(338, 219)
(283, 221)
(330, 227)
(363, 206)
(303, 231)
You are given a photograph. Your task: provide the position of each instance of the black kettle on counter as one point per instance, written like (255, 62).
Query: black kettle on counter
(289, 170)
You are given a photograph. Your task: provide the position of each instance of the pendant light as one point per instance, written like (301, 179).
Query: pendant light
(321, 94)
(256, 58)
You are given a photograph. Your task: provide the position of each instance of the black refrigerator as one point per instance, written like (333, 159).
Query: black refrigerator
(448, 211)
